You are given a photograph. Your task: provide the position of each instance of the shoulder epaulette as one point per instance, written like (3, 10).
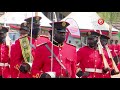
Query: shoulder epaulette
(44, 36)
(41, 44)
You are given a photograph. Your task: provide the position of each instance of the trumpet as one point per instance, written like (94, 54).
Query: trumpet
(110, 56)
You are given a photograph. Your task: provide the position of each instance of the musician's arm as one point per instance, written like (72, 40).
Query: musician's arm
(37, 63)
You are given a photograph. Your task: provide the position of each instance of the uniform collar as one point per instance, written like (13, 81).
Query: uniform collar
(93, 48)
(57, 44)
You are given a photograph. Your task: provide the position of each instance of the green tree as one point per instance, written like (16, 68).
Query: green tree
(118, 35)
(110, 18)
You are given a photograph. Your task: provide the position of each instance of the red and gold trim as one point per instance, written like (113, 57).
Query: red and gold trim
(17, 67)
(59, 45)
(36, 76)
(44, 36)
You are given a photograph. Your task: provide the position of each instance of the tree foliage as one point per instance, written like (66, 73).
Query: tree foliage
(110, 17)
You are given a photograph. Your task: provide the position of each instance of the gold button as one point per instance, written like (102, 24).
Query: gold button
(95, 66)
(60, 55)
(61, 74)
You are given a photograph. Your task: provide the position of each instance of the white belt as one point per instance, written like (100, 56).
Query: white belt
(93, 70)
(4, 64)
(52, 74)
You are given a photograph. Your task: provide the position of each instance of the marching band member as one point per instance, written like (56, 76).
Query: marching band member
(20, 54)
(90, 59)
(4, 54)
(64, 58)
(109, 55)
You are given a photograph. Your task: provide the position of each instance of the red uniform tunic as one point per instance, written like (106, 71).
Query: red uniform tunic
(111, 47)
(14, 72)
(116, 49)
(108, 74)
(42, 39)
(90, 60)
(17, 59)
(118, 66)
(4, 61)
(38, 41)
(65, 53)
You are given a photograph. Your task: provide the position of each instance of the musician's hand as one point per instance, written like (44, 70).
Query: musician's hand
(79, 73)
(105, 70)
(86, 74)
(25, 67)
(113, 72)
(45, 75)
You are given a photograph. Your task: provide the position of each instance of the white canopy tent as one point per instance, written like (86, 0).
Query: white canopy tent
(13, 18)
(88, 20)
(18, 18)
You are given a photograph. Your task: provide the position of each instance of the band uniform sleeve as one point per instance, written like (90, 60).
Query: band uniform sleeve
(13, 71)
(5, 59)
(107, 58)
(79, 57)
(5, 54)
(12, 54)
(73, 66)
(17, 57)
(37, 62)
